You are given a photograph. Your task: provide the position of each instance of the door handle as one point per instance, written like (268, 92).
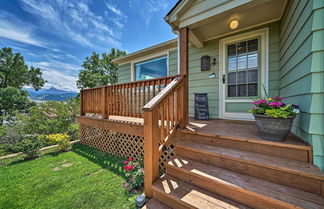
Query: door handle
(224, 79)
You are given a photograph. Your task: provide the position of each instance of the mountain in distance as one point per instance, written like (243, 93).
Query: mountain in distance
(50, 94)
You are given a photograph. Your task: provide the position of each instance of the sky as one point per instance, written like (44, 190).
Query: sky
(57, 35)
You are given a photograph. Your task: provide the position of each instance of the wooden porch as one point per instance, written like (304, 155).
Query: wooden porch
(207, 164)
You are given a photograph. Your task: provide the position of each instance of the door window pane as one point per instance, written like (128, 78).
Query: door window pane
(241, 47)
(253, 60)
(241, 77)
(241, 62)
(232, 90)
(231, 63)
(231, 78)
(241, 90)
(243, 69)
(151, 69)
(253, 45)
(253, 76)
(231, 50)
(253, 89)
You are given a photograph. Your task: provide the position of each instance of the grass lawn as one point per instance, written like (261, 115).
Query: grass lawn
(81, 178)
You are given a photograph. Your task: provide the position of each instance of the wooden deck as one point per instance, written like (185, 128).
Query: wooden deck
(234, 130)
(243, 130)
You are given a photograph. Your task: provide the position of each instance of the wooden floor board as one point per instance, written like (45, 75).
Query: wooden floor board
(248, 183)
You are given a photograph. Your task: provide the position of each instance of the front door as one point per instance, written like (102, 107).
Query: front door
(242, 73)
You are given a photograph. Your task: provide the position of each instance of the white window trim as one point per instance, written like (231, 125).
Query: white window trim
(147, 58)
(264, 40)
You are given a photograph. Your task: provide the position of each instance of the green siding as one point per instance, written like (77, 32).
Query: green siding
(200, 83)
(124, 73)
(302, 70)
(173, 62)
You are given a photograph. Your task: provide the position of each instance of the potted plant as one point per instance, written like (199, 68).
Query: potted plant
(273, 118)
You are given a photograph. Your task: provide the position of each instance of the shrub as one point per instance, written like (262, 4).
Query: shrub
(273, 107)
(29, 146)
(61, 139)
(73, 131)
(134, 172)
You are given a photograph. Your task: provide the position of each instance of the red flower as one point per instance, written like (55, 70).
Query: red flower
(125, 162)
(129, 167)
(130, 159)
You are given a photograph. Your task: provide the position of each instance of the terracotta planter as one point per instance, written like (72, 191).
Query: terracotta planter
(274, 129)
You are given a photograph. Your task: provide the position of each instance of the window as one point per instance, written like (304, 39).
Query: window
(243, 69)
(151, 69)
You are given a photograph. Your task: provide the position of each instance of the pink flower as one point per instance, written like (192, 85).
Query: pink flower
(277, 98)
(276, 104)
(260, 101)
(129, 167)
(125, 162)
(130, 159)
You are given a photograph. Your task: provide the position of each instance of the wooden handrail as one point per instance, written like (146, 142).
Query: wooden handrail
(132, 82)
(163, 94)
(162, 116)
(126, 99)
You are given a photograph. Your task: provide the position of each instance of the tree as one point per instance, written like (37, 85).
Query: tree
(15, 73)
(99, 71)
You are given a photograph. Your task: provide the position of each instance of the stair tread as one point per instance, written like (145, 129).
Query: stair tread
(155, 204)
(193, 196)
(298, 167)
(240, 181)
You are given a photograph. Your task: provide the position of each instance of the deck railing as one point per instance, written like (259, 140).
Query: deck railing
(162, 116)
(125, 99)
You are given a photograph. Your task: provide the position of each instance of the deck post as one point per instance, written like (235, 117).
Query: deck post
(82, 113)
(151, 150)
(104, 102)
(184, 61)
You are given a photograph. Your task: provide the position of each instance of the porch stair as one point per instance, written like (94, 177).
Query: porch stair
(213, 172)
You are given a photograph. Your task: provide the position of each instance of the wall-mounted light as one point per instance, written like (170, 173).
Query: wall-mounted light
(234, 24)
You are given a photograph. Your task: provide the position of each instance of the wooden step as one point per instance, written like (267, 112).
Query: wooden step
(155, 204)
(301, 152)
(241, 188)
(297, 174)
(179, 194)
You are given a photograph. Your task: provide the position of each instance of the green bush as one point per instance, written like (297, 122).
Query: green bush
(62, 140)
(73, 131)
(29, 146)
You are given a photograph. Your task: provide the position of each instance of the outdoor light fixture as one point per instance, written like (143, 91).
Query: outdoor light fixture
(234, 23)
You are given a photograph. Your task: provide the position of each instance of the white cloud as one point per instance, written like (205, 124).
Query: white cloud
(18, 32)
(114, 9)
(73, 20)
(59, 80)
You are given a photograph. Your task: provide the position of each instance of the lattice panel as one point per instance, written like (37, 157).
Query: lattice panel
(114, 143)
(119, 144)
(167, 153)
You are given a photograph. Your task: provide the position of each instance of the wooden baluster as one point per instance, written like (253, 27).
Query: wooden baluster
(126, 99)
(167, 116)
(151, 150)
(148, 92)
(82, 108)
(159, 88)
(143, 95)
(153, 88)
(104, 102)
(172, 109)
(123, 100)
(162, 122)
(139, 100)
(135, 100)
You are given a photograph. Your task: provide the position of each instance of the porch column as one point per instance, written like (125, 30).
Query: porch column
(184, 62)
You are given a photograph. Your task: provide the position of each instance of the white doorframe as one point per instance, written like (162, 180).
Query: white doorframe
(264, 64)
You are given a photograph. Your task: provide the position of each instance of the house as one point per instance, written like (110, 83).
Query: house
(232, 50)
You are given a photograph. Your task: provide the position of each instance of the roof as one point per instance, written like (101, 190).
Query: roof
(173, 8)
(148, 50)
